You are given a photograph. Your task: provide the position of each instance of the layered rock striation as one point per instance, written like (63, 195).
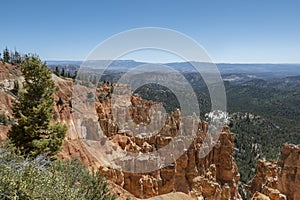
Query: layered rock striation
(279, 180)
(137, 126)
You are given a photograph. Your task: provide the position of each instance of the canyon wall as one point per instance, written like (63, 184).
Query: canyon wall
(214, 176)
(197, 172)
(281, 179)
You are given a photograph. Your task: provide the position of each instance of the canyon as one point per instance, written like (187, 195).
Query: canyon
(200, 170)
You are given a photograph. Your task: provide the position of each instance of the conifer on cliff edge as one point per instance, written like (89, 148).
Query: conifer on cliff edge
(35, 133)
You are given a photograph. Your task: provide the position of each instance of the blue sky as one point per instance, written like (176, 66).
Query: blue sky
(256, 31)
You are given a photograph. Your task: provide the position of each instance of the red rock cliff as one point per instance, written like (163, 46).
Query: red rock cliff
(213, 177)
(281, 179)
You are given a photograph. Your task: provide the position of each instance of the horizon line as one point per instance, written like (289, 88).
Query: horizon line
(222, 62)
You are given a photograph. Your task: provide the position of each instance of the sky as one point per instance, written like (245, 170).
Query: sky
(231, 31)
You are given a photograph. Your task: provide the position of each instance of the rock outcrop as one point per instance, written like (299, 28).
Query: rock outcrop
(289, 173)
(214, 176)
(279, 180)
(259, 196)
(265, 181)
(172, 196)
(199, 171)
(10, 76)
(198, 168)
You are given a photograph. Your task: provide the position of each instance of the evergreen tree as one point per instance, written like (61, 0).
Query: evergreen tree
(6, 55)
(62, 72)
(34, 134)
(56, 71)
(68, 74)
(16, 57)
(3, 119)
(75, 74)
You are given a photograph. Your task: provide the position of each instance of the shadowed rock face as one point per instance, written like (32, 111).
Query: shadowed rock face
(281, 179)
(289, 173)
(214, 176)
(266, 182)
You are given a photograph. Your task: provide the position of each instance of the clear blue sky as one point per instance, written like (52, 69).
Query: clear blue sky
(231, 31)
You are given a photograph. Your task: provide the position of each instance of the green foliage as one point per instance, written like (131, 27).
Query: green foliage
(34, 133)
(128, 198)
(56, 71)
(6, 55)
(252, 141)
(62, 73)
(276, 109)
(15, 57)
(158, 93)
(3, 119)
(16, 88)
(44, 179)
(11, 57)
(275, 120)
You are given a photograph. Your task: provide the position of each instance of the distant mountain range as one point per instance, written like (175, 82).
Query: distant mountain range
(234, 70)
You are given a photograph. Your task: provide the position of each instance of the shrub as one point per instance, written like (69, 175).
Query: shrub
(3, 119)
(43, 178)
